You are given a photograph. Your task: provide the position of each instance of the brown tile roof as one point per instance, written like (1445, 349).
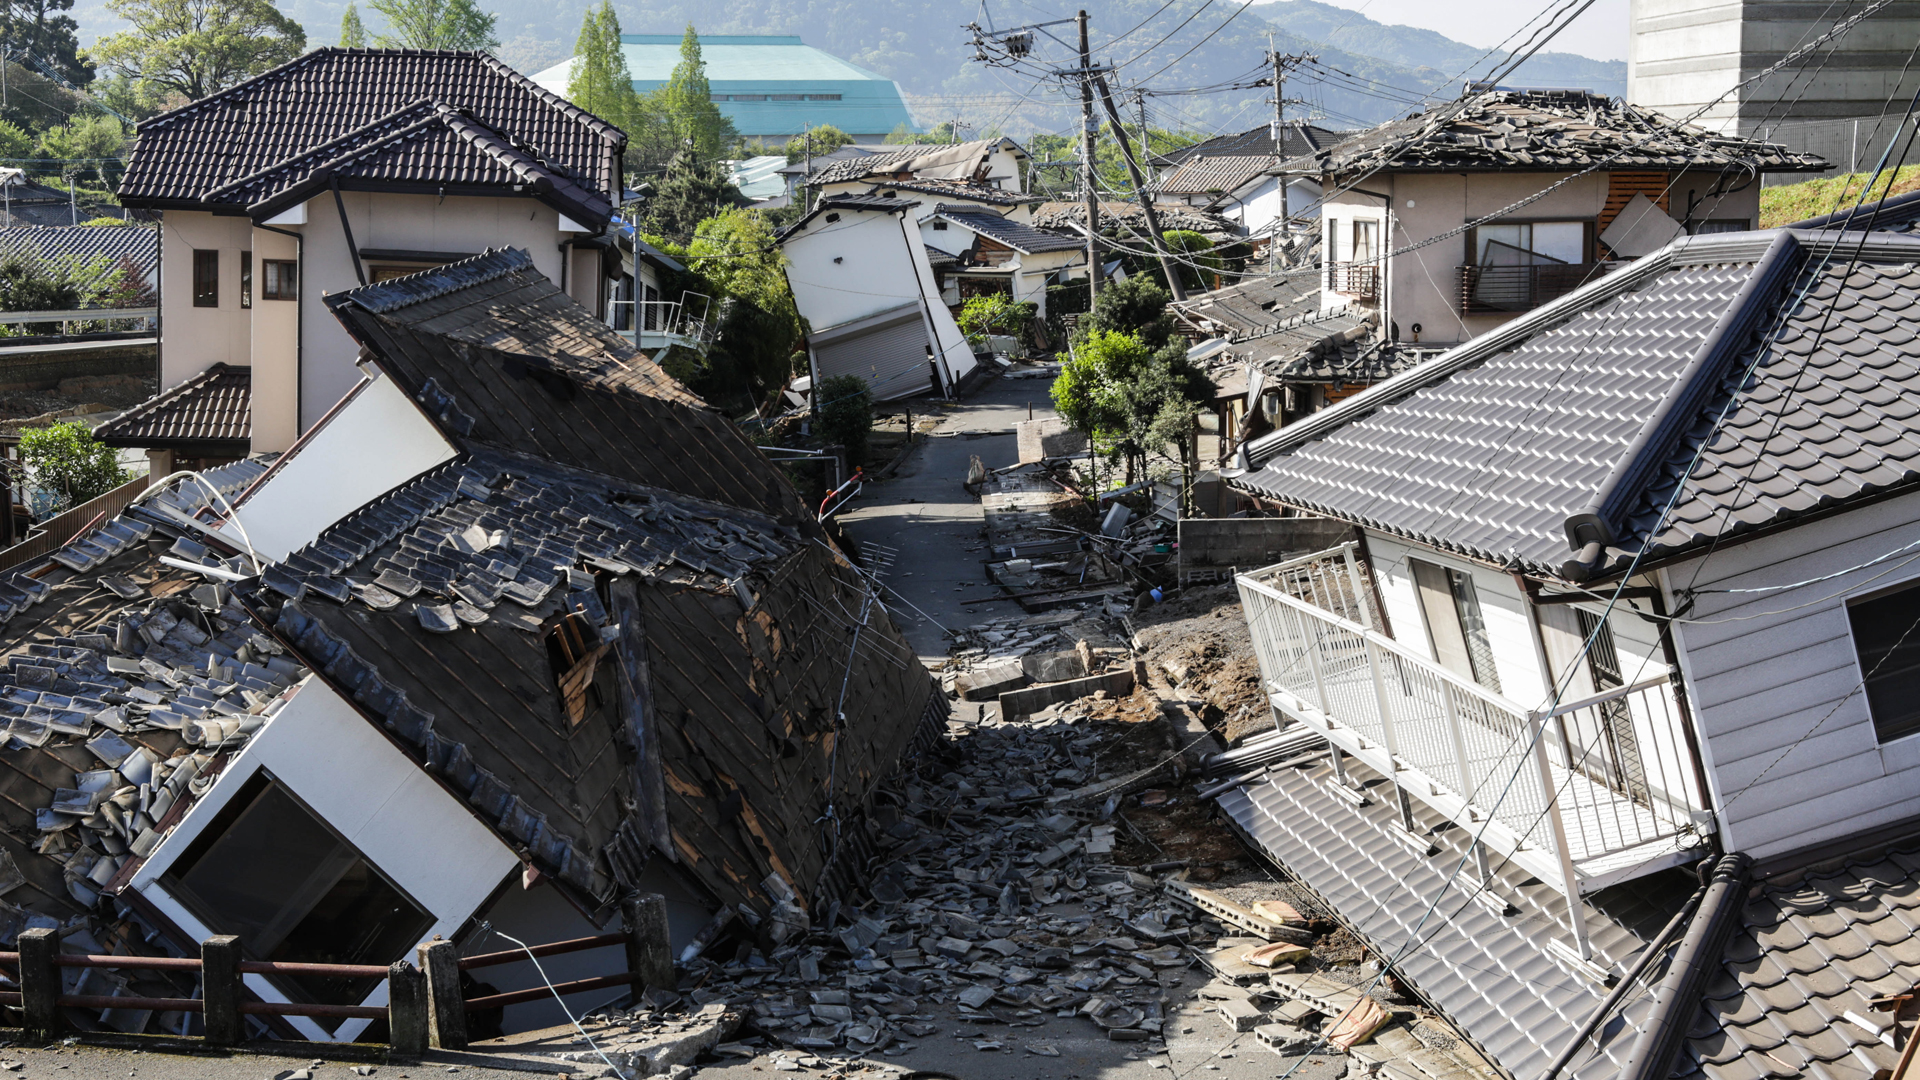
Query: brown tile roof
(184, 156)
(1547, 130)
(214, 406)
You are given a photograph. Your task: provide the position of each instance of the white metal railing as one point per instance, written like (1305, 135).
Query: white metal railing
(1582, 793)
(688, 318)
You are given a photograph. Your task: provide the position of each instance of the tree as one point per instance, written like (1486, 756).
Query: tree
(824, 139)
(134, 98)
(688, 102)
(198, 47)
(33, 28)
(14, 143)
(694, 189)
(67, 460)
(353, 32)
(758, 327)
(846, 414)
(1136, 306)
(435, 24)
(1190, 248)
(601, 83)
(1129, 399)
(98, 139)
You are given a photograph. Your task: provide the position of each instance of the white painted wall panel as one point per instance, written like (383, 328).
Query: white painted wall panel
(375, 443)
(1776, 682)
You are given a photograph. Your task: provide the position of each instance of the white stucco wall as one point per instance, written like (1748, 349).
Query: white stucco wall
(195, 338)
(419, 835)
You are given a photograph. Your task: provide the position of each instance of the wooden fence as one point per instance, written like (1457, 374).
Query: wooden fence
(59, 530)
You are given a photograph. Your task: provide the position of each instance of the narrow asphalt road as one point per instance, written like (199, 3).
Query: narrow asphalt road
(933, 526)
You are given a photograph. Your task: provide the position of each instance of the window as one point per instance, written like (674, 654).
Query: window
(1455, 625)
(246, 279)
(1886, 637)
(1366, 240)
(939, 226)
(1530, 243)
(823, 97)
(206, 279)
(280, 279)
(268, 869)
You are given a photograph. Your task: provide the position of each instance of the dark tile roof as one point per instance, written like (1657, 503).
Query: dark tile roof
(1300, 138)
(185, 155)
(213, 407)
(109, 653)
(954, 189)
(424, 143)
(35, 204)
(1500, 447)
(1809, 949)
(1548, 130)
(139, 243)
(1250, 307)
(1900, 214)
(1022, 238)
(1490, 972)
(504, 360)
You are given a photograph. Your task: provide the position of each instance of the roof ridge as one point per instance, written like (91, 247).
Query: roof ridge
(396, 293)
(553, 100)
(344, 137)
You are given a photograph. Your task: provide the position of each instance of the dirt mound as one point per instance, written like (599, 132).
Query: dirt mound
(1198, 638)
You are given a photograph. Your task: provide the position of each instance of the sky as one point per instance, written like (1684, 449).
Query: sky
(1601, 33)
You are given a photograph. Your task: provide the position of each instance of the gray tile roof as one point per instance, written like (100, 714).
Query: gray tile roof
(212, 411)
(1062, 215)
(1547, 130)
(136, 242)
(1251, 307)
(1900, 214)
(1495, 447)
(1202, 175)
(900, 159)
(1022, 238)
(1809, 948)
(1490, 972)
(1300, 138)
(954, 189)
(184, 156)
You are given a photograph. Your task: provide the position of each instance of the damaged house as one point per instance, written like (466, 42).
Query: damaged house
(558, 635)
(1617, 673)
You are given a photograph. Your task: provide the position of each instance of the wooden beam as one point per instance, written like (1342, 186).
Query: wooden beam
(638, 715)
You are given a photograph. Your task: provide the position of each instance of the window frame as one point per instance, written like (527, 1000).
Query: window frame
(1906, 727)
(275, 289)
(206, 277)
(1454, 577)
(246, 279)
(1589, 236)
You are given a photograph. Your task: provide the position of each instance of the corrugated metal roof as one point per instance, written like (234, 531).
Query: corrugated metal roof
(1491, 448)
(215, 406)
(1491, 972)
(1547, 130)
(271, 119)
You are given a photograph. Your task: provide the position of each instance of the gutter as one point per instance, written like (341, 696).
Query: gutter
(1679, 992)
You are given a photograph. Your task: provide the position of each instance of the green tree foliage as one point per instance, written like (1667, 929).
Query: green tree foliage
(996, 313)
(135, 99)
(1191, 248)
(1131, 400)
(694, 189)
(824, 139)
(66, 459)
(34, 101)
(38, 28)
(435, 24)
(353, 32)
(732, 261)
(687, 102)
(846, 414)
(31, 283)
(14, 143)
(1136, 306)
(601, 83)
(96, 139)
(198, 47)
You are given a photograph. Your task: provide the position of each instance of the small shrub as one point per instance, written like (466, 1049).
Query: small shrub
(66, 459)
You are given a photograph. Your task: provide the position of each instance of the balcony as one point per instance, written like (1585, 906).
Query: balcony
(1358, 280)
(1487, 290)
(1581, 794)
(656, 324)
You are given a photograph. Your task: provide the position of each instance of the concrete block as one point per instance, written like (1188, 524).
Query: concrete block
(1047, 437)
(990, 681)
(1017, 703)
(1054, 666)
(1241, 1014)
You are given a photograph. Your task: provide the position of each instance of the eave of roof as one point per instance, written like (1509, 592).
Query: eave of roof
(212, 409)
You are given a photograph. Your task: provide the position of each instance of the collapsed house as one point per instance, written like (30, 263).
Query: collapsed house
(519, 630)
(1617, 675)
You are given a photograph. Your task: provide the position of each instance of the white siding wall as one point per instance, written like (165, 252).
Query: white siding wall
(193, 339)
(1789, 742)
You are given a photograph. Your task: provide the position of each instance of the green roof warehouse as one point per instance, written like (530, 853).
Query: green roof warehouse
(770, 86)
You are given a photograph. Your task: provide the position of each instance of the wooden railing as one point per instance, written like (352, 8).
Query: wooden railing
(1580, 793)
(424, 1006)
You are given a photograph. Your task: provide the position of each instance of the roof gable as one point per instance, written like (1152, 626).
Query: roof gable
(184, 156)
(215, 406)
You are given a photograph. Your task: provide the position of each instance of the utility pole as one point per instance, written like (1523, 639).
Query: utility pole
(1140, 191)
(806, 185)
(1088, 161)
(1281, 62)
